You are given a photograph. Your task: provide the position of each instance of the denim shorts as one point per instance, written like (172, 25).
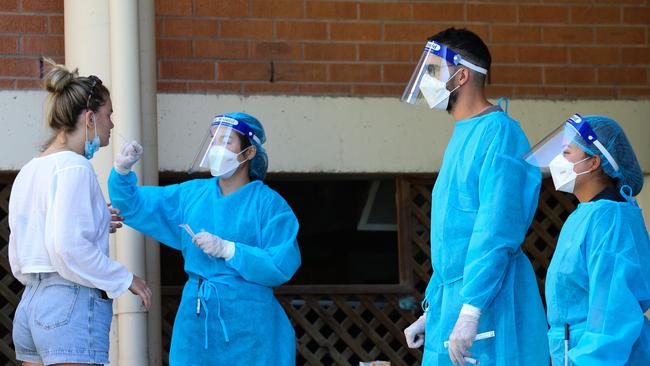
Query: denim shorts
(58, 321)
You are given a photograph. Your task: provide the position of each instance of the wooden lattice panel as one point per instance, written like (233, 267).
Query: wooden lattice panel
(552, 210)
(10, 288)
(414, 204)
(333, 329)
(346, 329)
(170, 302)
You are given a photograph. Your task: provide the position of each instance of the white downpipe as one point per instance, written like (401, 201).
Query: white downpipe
(125, 70)
(149, 142)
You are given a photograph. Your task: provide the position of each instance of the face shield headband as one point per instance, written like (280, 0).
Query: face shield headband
(236, 125)
(589, 136)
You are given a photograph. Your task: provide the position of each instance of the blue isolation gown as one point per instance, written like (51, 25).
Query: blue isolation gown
(599, 283)
(482, 204)
(240, 322)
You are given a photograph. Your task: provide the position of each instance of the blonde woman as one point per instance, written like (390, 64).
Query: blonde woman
(60, 222)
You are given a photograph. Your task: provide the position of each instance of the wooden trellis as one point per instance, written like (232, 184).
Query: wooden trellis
(340, 329)
(10, 288)
(552, 210)
(342, 325)
(414, 206)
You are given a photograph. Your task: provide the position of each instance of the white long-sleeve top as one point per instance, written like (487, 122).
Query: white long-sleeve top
(59, 222)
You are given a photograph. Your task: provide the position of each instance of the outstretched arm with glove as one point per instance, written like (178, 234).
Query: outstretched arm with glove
(154, 211)
(129, 154)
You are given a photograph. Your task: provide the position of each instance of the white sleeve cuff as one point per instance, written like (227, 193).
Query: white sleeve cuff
(123, 287)
(120, 171)
(471, 310)
(228, 250)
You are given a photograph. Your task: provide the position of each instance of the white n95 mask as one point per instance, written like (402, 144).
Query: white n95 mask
(564, 177)
(435, 91)
(223, 162)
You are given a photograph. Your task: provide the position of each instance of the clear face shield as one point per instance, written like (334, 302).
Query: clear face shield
(551, 153)
(573, 131)
(220, 148)
(432, 73)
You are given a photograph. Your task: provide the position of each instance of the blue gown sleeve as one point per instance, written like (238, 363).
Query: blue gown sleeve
(616, 279)
(508, 192)
(277, 258)
(153, 211)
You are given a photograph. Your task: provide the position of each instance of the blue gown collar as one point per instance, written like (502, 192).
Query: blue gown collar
(245, 187)
(486, 112)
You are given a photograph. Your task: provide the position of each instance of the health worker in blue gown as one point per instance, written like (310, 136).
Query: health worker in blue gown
(482, 204)
(238, 239)
(598, 283)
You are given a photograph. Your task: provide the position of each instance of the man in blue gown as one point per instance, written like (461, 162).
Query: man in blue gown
(483, 202)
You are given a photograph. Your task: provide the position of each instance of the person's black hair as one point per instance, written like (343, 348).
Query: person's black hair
(244, 142)
(468, 45)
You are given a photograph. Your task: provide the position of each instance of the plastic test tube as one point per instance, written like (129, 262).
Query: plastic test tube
(478, 337)
(188, 229)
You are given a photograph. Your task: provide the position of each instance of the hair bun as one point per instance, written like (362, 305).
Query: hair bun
(58, 77)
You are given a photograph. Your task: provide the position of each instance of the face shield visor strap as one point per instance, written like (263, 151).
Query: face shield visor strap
(471, 66)
(439, 56)
(589, 136)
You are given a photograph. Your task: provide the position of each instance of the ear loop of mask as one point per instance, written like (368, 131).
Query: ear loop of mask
(92, 118)
(450, 78)
(581, 161)
(239, 163)
(243, 151)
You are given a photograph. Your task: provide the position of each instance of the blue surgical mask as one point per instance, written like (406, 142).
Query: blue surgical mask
(91, 147)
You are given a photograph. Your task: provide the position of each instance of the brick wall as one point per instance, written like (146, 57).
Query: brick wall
(541, 48)
(29, 29)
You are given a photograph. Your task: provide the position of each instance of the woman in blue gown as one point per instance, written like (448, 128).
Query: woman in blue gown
(598, 282)
(246, 246)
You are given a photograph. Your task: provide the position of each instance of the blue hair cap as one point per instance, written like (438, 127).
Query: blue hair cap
(259, 165)
(611, 136)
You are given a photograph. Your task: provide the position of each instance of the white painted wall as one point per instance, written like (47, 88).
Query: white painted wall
(22, 129)
(317, 134)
